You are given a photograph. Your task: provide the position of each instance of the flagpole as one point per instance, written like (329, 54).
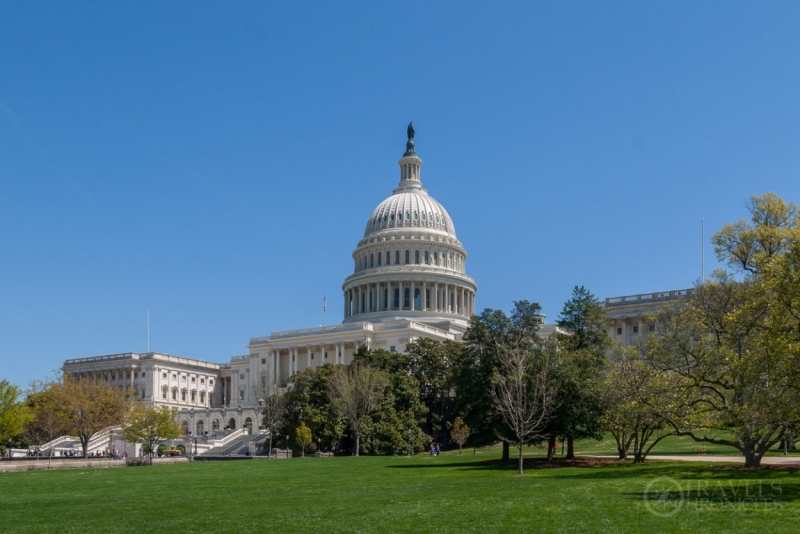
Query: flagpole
(148, 329)
(324, 311)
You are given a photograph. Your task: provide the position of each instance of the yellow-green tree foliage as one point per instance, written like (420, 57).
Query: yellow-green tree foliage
(151, 427)
(459, 433)
(302, 435)
(13, 412)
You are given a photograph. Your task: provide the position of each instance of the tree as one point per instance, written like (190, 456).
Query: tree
(739, 376)
(355, 391)
(773, 226)
(431, 362)
(89, 407)
(637, 401)
(398, 417)
(302, 436)
(49, 419)
(271, 404)
(307, 402)
(579, 366)
(13, 412)
(151, 427)
(478, 362)
(459, 433)
(523, 395)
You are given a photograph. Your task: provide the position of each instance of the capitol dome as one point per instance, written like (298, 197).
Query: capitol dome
(409, 263)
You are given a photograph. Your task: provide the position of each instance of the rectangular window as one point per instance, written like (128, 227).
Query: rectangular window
(241, 394)
(392, 349)
(163, 393)
(192, 380)
(183, 395)
(635, 329)
(652, 327)
(263, 361)
(241, 376)
(619, 331)
(174, 394)
(163, 375)
(406, 298)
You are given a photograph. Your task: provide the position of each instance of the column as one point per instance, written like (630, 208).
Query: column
(345, 306)
(412, 296)
(424, 296)
(308, 356)
(358, 301)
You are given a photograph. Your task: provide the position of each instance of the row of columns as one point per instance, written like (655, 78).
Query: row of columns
(447, 298)
(275, 369)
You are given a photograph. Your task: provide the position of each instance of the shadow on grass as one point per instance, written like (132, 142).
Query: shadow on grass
(608, 469)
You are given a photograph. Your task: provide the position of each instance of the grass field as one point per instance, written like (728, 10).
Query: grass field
(449, 493)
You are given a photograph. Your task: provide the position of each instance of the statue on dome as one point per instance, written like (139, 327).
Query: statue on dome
(410, 131)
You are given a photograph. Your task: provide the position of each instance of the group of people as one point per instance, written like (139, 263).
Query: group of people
(435, 449)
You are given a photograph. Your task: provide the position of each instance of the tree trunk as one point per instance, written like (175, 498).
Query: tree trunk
(551, 447)
(459, 449)
(520, 457)
(623, 453)
(570, 448)
(506, 452)
(269, 452)
(751, 458)
(358, 442)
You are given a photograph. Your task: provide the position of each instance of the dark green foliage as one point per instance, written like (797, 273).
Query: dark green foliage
(477, 365)
(431, 362)
(385, 431)
(578, 368)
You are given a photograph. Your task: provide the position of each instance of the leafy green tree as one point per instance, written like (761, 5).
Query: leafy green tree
(14, 413)
(400, 413)
(431, 362)
(306, 402)
(460, 433)
(773, 227)
(488, 334)
(151, 427)
(741, 380)
(578, 370)
(302, 436)
(355, 392)
(638, 400)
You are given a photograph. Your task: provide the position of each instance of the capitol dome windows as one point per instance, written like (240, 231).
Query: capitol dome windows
(407, 257)
(396, 257)
(416, 257)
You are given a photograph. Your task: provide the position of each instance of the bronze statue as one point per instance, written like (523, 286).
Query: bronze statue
(410, 131)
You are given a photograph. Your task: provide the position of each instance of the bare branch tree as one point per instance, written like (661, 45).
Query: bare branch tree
(355, 391)
(523, 394)
(271, 404)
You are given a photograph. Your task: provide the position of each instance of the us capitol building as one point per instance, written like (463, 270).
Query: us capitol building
(409, 281)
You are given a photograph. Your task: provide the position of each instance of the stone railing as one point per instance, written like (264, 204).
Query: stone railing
(277, 336)
(402, 270)
(648, 297)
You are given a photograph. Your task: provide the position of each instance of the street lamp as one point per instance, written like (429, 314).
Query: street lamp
(239, 410)
(224, 424)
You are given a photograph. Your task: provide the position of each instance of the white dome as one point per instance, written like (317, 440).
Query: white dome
(410, 210)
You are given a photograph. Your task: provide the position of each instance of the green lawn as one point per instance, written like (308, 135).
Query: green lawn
(448, 493)
(678, 445)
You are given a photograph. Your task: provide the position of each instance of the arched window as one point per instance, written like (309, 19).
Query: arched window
(248, 424)
(416, 257)
(436, 258)
(183, 395)
(194, 396)
(232, 424)
(174, 393)
(416, 298)
(215, 426)
(427, 258)
(201, 430)
(143, 391)
(371, 260)
(202, 397)
(396, 256)
(396, 297)
(185, 426)
(407, 257)
(380, 255)
(406, 298)
(399, 217)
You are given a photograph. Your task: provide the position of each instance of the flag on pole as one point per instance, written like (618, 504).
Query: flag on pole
(324, 304)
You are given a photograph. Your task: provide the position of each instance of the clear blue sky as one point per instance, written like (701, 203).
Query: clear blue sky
(217, 162)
